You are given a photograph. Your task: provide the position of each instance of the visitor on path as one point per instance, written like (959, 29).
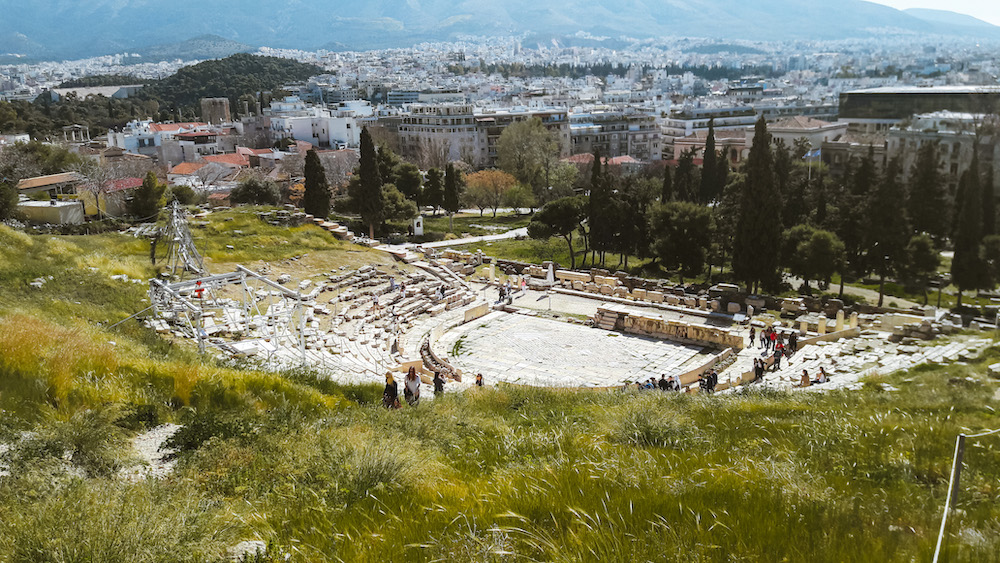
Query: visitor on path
(663, 383)
(753, 333)
(764, 338)
(804, 382)
(777, 361)
(438, 384)
(758, 369)
(411, 387)
(772, 339)
(392, 284)
(524, 284)
(750, 313)
(779, 348)
(402, 288)
(674, 384)
(793, 342)
(390, 396)
(374, 300)
(479, 380)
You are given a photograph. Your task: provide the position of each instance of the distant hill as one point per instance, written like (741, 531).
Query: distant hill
(949, 18)
(70, 28)
(202, 47)
(230, 77)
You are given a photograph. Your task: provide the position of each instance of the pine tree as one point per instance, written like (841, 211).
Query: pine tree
(367, 199)
(968, 270)
(928, 203)
(888, 228)
(758, 228)
(147, 199)
(316, 198)
(709, 189)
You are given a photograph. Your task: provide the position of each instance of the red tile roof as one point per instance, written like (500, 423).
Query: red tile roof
(161, 127)
(799, 122)
(186, 168)
(582, 158)
(248, 151)
(232, 159)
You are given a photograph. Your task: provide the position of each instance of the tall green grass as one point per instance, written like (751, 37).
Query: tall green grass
(321, 472)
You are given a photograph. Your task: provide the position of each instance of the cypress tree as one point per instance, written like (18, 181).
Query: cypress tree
(684, 186)
(989, 204)
(316, 199)
(852, 210)
(928, 203)
(434, 189)
(594, 217)
(758, 227)
(451, 193)
(968, 270)
(888, 228)
(368, 201)
(667, 191)
(709, 189)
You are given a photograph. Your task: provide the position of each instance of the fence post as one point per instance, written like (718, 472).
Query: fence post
(956, 471)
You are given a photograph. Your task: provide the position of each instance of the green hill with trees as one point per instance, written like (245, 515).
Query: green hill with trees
(173, 97)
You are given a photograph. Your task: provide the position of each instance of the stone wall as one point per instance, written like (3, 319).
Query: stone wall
(655, 326)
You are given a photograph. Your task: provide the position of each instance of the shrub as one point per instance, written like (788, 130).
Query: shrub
(184, 195)
(256, 191)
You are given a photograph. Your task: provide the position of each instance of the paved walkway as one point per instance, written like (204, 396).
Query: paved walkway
(869, 295)
(513, 233)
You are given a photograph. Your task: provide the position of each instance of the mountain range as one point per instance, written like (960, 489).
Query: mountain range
(74, 29)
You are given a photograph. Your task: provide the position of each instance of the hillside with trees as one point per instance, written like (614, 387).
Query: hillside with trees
(173, 98)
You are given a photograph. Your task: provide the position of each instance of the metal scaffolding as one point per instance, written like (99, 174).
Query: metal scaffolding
(258, 314)
(182, 256)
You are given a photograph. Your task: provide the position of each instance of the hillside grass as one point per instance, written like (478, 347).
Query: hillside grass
(320, 472)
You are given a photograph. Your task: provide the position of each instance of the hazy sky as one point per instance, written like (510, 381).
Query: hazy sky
(986, 10)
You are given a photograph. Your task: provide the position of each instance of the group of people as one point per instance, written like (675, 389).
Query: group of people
(771, 340)
(821, 377)
(672, 383)
(411, 388)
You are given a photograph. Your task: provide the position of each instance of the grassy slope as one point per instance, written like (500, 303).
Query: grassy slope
(502, 474)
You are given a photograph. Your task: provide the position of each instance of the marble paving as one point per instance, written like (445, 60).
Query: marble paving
(529, 350)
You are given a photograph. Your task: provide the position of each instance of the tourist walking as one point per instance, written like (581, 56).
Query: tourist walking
(793, 342)
(411, 387)
(479, 380)
(753, 333)
(390, 396)
(777, 361)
